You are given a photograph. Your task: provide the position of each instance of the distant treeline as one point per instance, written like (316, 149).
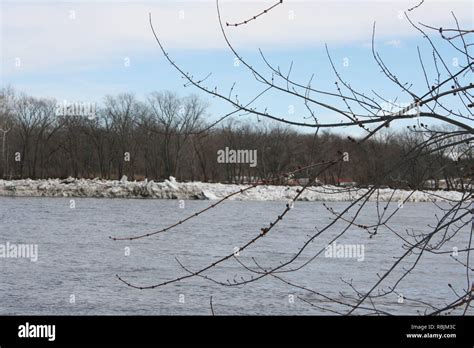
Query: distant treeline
(167, 135)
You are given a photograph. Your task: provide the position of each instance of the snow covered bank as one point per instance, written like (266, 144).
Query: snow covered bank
(171, 189)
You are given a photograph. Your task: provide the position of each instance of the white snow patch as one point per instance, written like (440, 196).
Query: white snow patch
(171, 189)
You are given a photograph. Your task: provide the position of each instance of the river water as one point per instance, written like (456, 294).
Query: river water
(75, 272)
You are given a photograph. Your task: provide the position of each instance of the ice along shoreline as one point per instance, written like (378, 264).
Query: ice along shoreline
(171, 189)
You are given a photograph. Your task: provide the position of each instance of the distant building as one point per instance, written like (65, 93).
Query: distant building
(442, 184)
(345, 182)
(297, 182)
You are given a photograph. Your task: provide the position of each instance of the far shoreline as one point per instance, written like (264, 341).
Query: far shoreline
(172, 189)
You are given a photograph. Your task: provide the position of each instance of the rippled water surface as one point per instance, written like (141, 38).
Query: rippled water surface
(77, 259)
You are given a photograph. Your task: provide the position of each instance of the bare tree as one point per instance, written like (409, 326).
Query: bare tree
(451, 85)
(178, 118)
(6, 123)
(123, 113)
